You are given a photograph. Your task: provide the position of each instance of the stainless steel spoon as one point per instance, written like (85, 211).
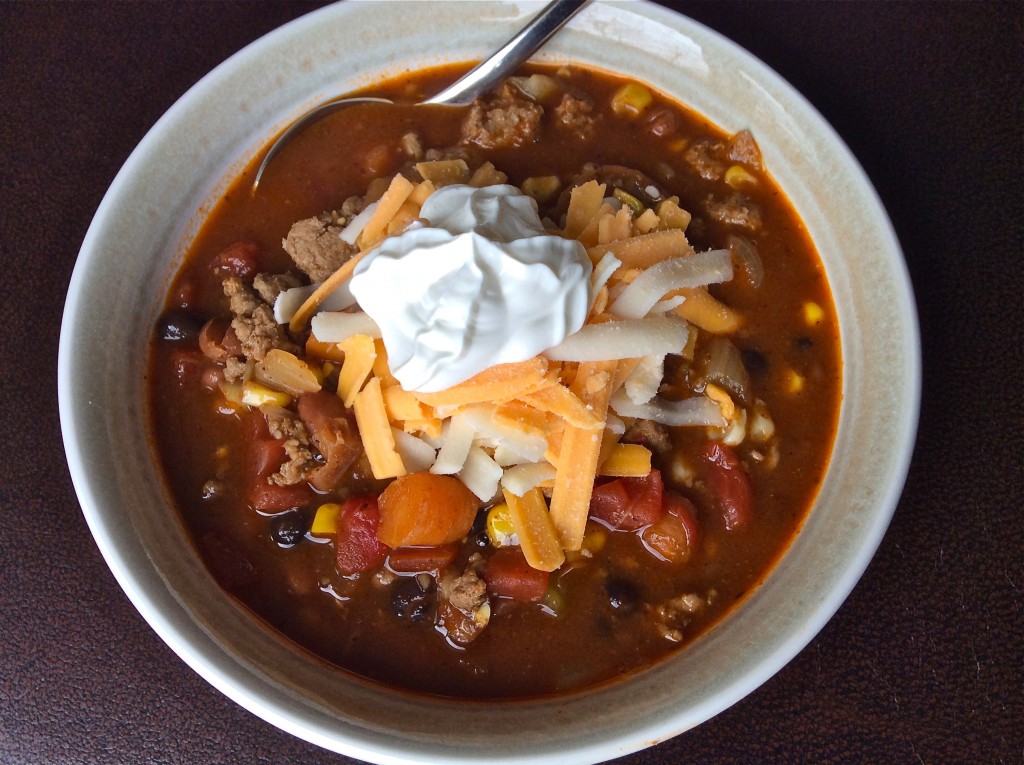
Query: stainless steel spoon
(477, 81)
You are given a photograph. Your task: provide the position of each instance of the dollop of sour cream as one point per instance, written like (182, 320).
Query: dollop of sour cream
(482, 284)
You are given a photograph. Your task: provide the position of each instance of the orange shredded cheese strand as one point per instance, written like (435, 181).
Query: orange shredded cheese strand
(359, 357)
(532, 524)
(523, 417)
(645, 250)
(578, 457)
(500, 383)
(375, 432)
(706, 312)
(387, 207)
(331, 283)
(326, 351)
(561, 401)
(402, 405)
(584, 203)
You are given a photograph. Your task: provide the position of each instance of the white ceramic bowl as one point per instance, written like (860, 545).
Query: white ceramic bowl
(143, 228)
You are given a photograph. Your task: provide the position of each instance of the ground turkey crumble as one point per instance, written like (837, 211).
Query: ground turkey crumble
(316, 247)
(506, 121)
(254, 322)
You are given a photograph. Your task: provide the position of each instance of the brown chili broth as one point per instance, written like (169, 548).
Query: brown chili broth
(524, 651)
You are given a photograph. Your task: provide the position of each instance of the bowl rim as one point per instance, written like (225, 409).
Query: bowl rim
(200, 651)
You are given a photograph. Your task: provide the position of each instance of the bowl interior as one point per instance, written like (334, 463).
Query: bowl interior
(143, 228)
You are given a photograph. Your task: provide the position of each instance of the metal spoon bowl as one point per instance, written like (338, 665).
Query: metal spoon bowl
(474, 83)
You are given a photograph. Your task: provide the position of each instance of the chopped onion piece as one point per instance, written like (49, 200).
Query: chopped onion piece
(281, 370)
(521, 478)
(615, 424)
(699, 410)
(537, 87)
(480, 474)
(337, 326)
(643, 382)
(746, 253)
(289, 301)
(458, 438)
(698, 270)
(722, 364)
(351, 232)
(628, 339)
(417, 455)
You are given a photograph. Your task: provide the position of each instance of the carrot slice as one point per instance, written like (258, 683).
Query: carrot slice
(425, 509)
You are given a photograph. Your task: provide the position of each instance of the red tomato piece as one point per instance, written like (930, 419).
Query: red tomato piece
(421, 560)
(240, 259)
(355, 543)
(508, 575)
(269, 497)
(729, 484)
(267, 456)
(674, 537)
(628, 504)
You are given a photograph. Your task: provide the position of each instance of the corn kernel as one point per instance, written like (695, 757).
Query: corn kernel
(794, 381)
(631, 99)
(678, 144)
(500, 530)
(736, 177)
(813, 313)
(257, 394)
(542, 188)
(325, 522)
(594, 539)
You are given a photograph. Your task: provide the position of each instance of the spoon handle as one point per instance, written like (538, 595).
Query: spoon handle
(516, 51)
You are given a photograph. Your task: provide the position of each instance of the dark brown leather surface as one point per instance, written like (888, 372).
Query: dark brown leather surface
(923, 664)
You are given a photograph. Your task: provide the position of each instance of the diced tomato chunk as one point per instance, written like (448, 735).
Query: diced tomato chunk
(674, 537)
(267, 456)
(729, 484)
(628, 504)
(269, 497)
(240, 259)
(421, 560)
(356, 544)
(508, 575)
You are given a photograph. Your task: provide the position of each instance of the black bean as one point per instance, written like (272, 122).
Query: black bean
(410, 601)
(478, 533)
(803, 343)
(178, 326)
(288, 528)
(623, 595)
(755, 361)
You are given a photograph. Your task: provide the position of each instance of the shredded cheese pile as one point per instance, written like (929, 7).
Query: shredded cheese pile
(550, 425)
